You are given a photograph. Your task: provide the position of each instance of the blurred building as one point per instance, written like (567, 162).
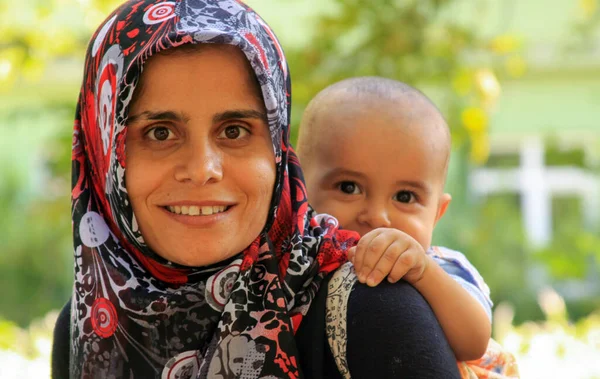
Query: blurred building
(545, 127)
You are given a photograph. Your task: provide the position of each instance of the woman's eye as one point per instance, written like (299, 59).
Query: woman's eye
(160, 133)
(349, 188)
(234, 132)
(404, 197)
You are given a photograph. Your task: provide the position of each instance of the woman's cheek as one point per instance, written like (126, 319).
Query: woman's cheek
(265, 176)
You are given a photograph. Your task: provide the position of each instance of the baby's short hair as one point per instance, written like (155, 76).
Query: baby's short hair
(383, 88)
(364, 89)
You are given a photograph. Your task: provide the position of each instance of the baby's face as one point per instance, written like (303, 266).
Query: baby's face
(369, 173)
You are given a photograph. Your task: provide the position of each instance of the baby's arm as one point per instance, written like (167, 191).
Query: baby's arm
(464, 320)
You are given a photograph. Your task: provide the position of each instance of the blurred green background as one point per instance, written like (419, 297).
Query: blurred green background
(519, 82)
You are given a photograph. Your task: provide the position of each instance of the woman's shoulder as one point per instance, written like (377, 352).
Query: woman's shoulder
(368, 324)
(61, 343)
(392, 331)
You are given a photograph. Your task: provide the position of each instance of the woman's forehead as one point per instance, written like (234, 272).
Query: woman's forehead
(214, 79)
(167, 66)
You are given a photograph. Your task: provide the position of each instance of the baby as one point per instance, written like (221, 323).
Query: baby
(375, 155)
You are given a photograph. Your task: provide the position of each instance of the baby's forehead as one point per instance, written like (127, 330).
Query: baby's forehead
(361, 126)
(408, 117)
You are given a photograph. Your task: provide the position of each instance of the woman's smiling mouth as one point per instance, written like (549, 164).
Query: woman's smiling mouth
(194, 210)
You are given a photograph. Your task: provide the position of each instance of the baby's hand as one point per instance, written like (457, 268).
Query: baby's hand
(388, 252)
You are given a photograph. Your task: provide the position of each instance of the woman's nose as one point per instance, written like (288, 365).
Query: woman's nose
(200, 164)
(375, 216)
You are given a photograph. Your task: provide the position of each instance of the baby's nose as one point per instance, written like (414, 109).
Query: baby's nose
(376, 217)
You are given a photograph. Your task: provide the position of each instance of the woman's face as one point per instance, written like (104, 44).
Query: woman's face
(200, 168)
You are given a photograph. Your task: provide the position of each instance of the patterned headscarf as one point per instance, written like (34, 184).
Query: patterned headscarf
(133, 313)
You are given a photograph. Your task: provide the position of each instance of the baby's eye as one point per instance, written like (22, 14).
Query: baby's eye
(234, 132)
(160, 133)
(405, 197)
(349, 188)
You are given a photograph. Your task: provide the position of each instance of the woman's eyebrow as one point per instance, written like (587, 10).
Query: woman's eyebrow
(159, 116)
(239, 113)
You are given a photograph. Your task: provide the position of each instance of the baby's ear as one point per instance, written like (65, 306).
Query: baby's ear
(443, 206)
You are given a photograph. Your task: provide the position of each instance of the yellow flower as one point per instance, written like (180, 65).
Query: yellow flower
(505, 43)
(10, 61)
(480, 148)
(5, 68)
(488, 85)
(589, 7)
(475, 120)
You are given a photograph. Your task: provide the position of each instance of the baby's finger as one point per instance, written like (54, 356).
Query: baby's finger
(417, 265)
(361, 247)
(386, 263)
(351, 254)
(378, 251)
(411, 266)
(403, 264)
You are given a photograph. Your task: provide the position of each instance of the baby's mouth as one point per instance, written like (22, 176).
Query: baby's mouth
(193, 210)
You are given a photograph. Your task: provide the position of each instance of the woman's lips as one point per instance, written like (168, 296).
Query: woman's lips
(198, 215)
(196, 210)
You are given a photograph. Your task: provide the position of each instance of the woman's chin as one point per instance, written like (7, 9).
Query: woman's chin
(196, 253)
(197, 241)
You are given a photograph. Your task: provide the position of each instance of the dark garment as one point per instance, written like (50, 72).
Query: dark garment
(61, 344)
(392, 333)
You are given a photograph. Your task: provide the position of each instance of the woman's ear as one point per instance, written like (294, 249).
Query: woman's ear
(442, 206)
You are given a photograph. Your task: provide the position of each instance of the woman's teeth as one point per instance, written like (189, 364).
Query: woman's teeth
(193, 210)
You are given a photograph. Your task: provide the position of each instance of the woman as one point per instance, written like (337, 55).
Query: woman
(196, 254)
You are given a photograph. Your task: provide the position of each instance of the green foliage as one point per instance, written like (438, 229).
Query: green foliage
(490, 232)
(35, 34)
(575, 250)
(410, 41)
(585, 28)
(40, 43)
(36, 261)
(8, 334)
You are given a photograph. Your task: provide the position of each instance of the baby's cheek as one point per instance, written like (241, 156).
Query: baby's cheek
(343, 213)
(423, 235)
(320, 203)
